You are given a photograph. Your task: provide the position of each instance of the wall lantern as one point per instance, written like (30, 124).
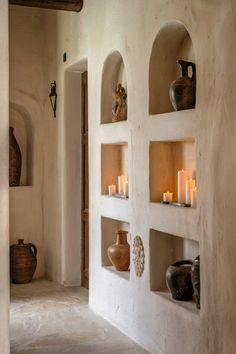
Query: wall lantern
(53, 97)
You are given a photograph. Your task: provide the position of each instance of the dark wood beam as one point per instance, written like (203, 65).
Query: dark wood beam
(66, 5)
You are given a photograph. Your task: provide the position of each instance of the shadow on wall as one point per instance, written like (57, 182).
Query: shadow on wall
(21, 121)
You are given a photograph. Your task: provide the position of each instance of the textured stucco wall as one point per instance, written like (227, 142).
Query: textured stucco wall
(131, 27)
(4, 181)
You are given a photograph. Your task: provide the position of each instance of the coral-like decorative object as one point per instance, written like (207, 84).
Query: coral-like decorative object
(139, 257)
(119, 107)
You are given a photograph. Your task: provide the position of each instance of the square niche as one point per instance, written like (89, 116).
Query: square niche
(109, 228)
(166, 249)
(166, 159)
(114, 163)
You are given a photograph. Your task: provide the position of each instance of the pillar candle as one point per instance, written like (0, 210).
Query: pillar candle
(126, 188)
(190, 184)
(182, 177)
(168, 197)
(121, 180)
(194, 197)
(112, 189)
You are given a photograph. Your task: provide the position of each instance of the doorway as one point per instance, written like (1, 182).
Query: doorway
(85, 184)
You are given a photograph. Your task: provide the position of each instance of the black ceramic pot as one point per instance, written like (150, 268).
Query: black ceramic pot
(178, 280)
(195, 276)
(183, 90)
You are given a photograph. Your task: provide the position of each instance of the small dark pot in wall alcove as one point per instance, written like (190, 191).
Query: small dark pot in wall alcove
(14, 160)
(183, 90)
(178, 280)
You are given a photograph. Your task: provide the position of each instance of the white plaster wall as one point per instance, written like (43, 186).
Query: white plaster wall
(131, 27)
(4, 181)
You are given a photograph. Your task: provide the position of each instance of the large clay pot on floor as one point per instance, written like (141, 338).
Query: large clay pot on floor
(23, 262)
(183, 90)
(119, 253)
(14, 160)
(178, 280)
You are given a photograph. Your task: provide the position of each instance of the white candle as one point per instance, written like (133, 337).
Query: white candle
(182, 177)
(126, 188)
(168, 197)
(121, 180)
(194, 197)
(190, 184)
(111, 189)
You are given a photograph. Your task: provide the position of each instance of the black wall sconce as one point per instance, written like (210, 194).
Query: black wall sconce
(53, 97)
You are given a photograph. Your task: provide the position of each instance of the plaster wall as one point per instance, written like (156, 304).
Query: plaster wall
(4, 181)
(130, 27)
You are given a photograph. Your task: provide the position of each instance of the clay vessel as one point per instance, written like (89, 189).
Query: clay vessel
(195, 276)
(14, 160)
(178, 280)
(23, 262)
(119, 253)
(183, 90)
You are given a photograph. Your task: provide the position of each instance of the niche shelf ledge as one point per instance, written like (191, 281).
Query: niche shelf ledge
(125, 275)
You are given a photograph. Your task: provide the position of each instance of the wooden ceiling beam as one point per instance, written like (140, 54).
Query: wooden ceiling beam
(66, 5)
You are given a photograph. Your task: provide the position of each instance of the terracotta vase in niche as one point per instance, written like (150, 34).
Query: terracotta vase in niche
(195, 276)
(178, 280)
(183, 90)
(119, 253)
(23, 262)
(14, 160)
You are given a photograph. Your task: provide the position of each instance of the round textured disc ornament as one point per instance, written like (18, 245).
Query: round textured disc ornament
(138, 256)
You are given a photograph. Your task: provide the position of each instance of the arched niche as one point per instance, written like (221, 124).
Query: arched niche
(21, 122)
(173, 42)
(112, 75)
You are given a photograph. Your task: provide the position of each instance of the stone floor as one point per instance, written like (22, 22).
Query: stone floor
(46, 318)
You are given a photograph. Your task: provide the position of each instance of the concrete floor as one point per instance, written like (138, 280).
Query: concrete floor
(46, 318)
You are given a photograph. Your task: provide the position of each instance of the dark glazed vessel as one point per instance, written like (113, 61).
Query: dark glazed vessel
(23, 262)
(183, 90)
(178, 280)
(119, 253)
(14, 160)
(195, 275)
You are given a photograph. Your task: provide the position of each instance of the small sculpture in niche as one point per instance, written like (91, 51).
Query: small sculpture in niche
(119, 106)
(139, 257)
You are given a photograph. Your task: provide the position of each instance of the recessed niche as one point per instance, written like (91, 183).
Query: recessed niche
(173, 42)
(166, 159)
(113, 74)
(114, 161)
(166, 249)
(20, 121)
(109, 230)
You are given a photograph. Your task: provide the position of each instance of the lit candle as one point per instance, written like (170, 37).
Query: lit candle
(182, 177)
(168, 197)
(190, 184)
(194, 197)
(121, 180)
(126, 188)
(111, 189)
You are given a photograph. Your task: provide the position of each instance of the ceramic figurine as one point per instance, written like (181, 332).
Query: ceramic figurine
(119, 107)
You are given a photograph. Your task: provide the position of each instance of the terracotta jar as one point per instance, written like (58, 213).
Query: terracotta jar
(178, 280)
(183, 90)
(119, 253)
(23, 262)
(195, 276)
(14, 160)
